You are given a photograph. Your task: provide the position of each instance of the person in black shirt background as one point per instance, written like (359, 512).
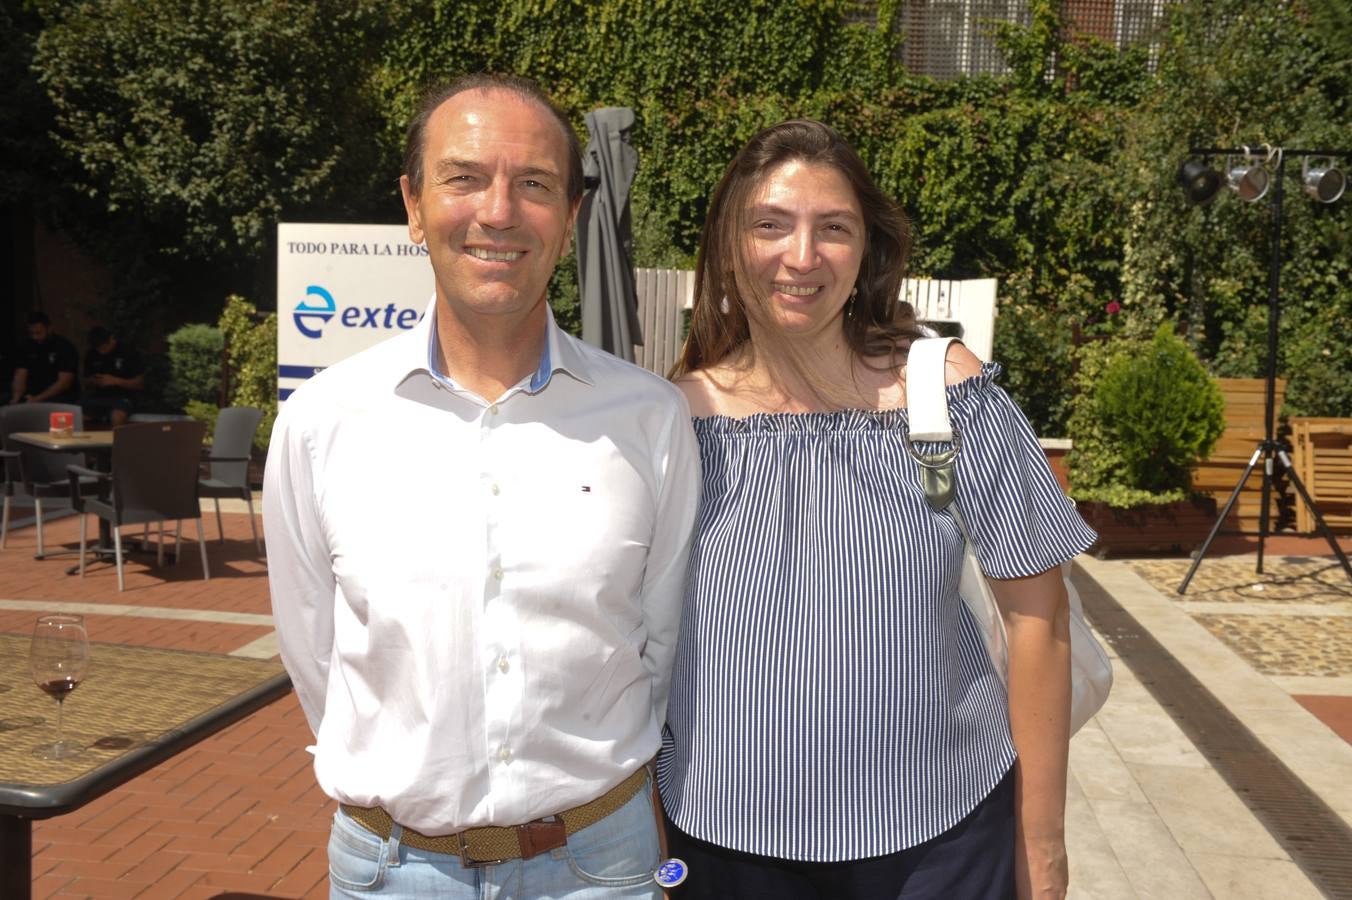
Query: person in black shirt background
(46, 366)
(114, 374)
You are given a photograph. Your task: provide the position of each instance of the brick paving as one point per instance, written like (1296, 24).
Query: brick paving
(1288, 645)
(1293, 620)
(1267, 633)
(1303, 579)
(238, 815)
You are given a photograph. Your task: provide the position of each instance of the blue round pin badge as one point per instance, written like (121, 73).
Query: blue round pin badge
(671, 873)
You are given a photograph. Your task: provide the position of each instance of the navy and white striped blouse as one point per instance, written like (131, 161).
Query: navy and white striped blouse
(832, 699)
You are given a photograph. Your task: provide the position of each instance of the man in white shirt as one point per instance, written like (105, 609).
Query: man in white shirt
(477, 539)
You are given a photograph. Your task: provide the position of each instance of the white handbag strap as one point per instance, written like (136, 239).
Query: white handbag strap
(926, 396)
(927, 417)
(927, 413)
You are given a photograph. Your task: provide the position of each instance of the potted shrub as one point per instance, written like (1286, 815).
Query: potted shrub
(1145, 413)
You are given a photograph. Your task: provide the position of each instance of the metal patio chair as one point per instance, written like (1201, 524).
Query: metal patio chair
(154, 479)
(32, 474)
(229, 461)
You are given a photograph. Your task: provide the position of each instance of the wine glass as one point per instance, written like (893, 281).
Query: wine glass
(58, 659)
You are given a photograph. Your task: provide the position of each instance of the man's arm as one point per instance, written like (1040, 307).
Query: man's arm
(18, 385)
(300, 570)
(106, 380)
(135, 379)
(63, 383)
(665, 574)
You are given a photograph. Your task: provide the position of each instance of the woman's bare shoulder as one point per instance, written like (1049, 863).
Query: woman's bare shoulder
(711, 391)
(960, 363)
(701, 393)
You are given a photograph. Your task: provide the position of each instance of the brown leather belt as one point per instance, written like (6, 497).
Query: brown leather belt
(491, 844)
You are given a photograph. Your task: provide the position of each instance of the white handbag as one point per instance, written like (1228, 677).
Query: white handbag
(1091, 673)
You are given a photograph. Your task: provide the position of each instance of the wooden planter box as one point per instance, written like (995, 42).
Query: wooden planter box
(1165, 528)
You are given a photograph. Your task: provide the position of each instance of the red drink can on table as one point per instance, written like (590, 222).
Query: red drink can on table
(63, 424)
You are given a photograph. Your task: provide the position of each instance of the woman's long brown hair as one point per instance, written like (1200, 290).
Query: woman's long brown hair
(878, 324)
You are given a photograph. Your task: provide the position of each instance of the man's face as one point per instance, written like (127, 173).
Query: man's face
(494, 206)
(38, 332)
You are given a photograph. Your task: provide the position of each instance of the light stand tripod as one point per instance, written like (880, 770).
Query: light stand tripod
(1269, 449)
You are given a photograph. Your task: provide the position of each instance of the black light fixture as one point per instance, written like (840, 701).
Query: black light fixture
(1247, 174)
(1322, 181)
(1199, 181)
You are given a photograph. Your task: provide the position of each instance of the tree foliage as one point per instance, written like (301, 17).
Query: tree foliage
(195, 365)
(251, 352)
(192, 127)
(1236, 72)
(213, 119)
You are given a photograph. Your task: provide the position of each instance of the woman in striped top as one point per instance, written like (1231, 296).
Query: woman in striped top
(836, 729)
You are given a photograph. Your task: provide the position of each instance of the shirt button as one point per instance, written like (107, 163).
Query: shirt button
(504, 753)
(503, 664)
(495, 490)
(493, 410)
(497, 573)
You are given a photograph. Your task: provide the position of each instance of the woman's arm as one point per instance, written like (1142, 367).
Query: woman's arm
(1037, 621)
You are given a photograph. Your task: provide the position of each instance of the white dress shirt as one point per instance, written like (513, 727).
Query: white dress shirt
(477, 601)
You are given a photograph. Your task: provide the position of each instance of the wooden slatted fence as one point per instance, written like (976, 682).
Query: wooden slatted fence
(1322, 458)
(1218, 474)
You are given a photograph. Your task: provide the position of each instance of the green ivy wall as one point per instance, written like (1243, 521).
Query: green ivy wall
(184, 129)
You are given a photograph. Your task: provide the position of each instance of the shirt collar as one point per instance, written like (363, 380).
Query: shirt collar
(558, 355)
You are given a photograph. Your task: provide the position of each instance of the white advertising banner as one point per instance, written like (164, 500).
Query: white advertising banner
(341, 289)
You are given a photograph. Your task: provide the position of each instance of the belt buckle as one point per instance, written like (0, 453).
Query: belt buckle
(470, 862)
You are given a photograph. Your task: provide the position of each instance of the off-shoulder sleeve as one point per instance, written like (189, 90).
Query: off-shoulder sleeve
(1020, 520)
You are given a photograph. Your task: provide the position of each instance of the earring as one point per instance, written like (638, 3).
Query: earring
(849, 304)
(723, 305)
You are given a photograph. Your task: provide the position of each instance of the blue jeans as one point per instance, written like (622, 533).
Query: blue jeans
(613, 858)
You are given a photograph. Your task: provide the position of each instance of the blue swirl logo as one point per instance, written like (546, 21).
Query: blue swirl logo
(309, 310)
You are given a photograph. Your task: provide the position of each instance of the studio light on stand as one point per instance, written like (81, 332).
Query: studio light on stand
(1323, 182)
(1248, 175)
(1248, 178)
(1199, 181)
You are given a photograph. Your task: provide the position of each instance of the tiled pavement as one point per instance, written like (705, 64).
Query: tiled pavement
(239, 815)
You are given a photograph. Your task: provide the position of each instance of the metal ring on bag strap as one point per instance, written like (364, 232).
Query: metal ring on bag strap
(934, 460)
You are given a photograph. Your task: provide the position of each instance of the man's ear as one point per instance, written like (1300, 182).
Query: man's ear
(572, 225)
(415, 229)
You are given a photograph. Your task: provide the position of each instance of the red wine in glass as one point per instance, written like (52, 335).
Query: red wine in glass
(59, 687)
(58, 659)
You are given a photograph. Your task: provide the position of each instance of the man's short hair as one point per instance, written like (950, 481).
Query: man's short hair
(416, 138)
(39, 318)
(98, 336)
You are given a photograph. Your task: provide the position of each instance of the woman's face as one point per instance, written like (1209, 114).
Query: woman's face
(805, 245)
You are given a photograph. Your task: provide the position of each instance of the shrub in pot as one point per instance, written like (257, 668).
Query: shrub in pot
(1145, 413)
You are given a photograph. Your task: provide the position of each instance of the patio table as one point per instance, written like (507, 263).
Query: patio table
(86, 441)
(97, 447)
(137, 708)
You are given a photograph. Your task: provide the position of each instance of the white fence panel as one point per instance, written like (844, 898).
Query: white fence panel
(663, 297)
(970, 304)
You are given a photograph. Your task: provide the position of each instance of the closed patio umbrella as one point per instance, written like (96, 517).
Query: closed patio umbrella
(605, 265)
